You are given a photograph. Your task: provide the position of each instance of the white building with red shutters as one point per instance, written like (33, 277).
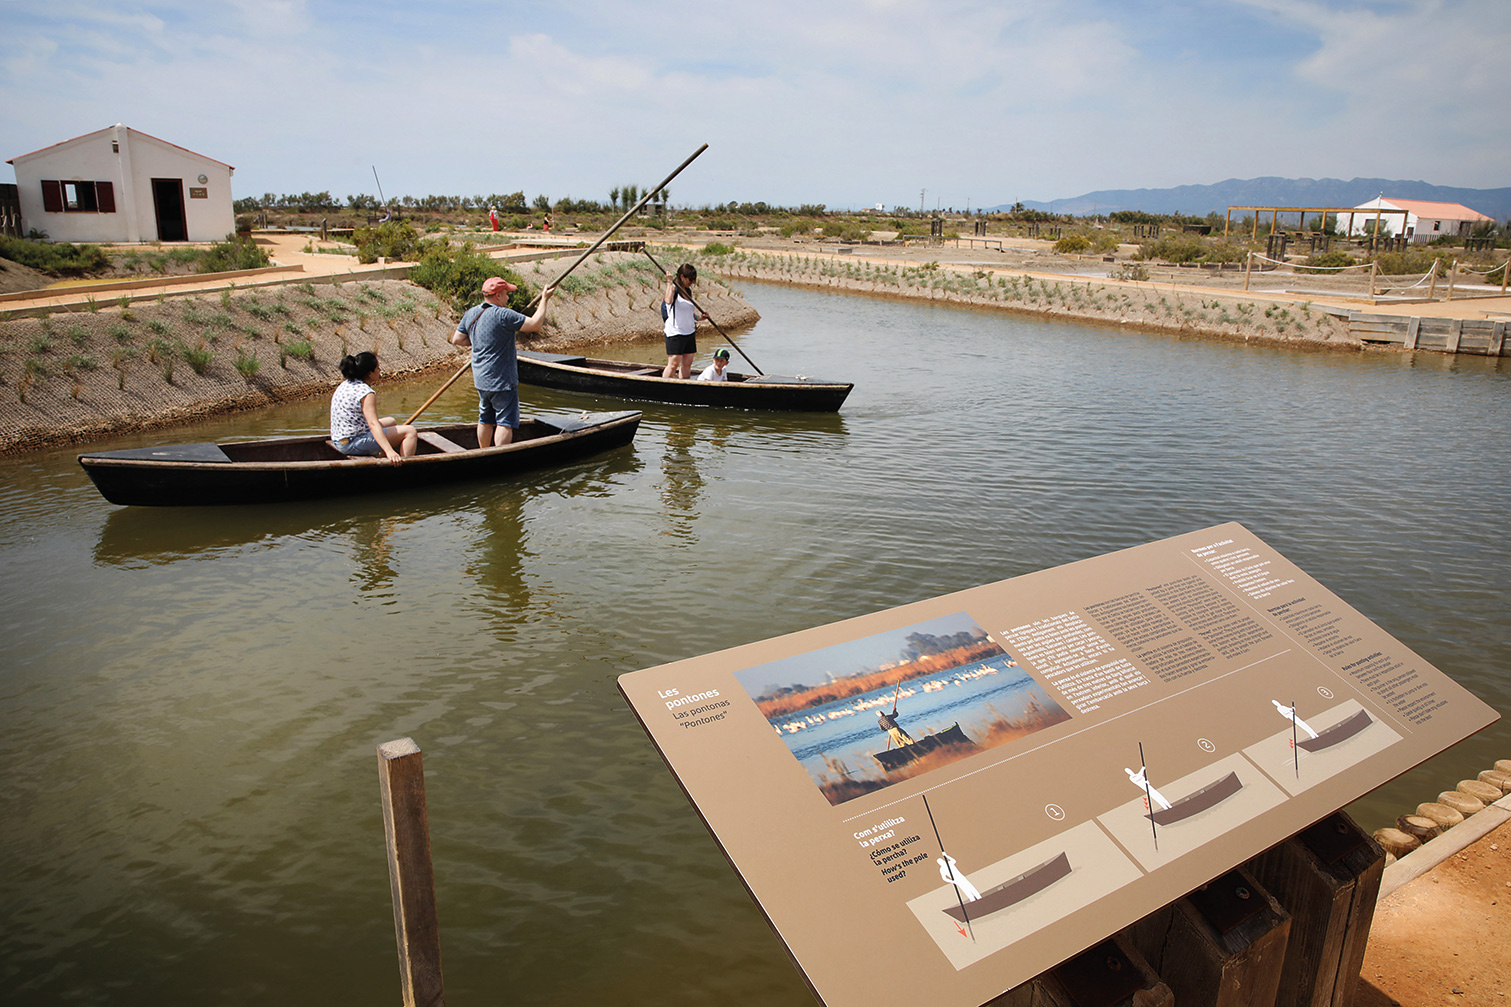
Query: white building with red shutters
(1425, 220)
(118, 184)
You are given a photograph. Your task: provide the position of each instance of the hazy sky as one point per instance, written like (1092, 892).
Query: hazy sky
(845, 102)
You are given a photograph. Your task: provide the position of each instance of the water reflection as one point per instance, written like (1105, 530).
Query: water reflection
(192, 696)
(498, 549)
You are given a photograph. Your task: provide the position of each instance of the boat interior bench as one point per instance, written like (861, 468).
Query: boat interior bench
(554, 358)
(440, 443)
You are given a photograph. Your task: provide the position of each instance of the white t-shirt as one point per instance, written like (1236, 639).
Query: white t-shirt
(712, 373)
(346, 409)
(681, 319)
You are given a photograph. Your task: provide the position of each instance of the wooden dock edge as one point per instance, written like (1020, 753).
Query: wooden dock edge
(1427, 856)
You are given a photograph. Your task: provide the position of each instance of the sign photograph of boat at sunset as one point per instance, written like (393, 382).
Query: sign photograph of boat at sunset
(863, 715)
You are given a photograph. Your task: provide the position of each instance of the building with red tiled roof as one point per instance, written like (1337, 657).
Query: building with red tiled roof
(1425, 220)
(119, 184)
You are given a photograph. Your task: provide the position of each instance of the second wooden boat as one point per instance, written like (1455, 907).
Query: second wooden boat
(1341, 731)
(1010, 893)
(644, 381)
(1198, 801)
(895, 758)
(299, 468)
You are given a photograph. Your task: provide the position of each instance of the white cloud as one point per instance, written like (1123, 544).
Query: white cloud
(851, 101)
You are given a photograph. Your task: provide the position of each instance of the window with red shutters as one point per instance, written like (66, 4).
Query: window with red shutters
(52, 195)
(104, 195)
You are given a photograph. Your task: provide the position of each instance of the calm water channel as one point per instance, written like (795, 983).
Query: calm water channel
(191, 698)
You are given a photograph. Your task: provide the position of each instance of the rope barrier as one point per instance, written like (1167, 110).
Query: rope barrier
(1412, 287)
(1335, 269)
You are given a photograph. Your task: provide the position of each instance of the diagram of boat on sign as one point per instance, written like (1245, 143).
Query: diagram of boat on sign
(1010, 893)
(1198, 801)
(1339, 732)
(896, 758)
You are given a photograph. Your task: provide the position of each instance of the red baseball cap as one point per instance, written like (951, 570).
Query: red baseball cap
(494, 284)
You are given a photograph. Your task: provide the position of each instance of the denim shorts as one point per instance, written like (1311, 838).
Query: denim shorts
(359, 444)
(500, 408)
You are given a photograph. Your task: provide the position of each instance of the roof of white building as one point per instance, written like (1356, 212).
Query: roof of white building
(85, 136)
(1421, 208)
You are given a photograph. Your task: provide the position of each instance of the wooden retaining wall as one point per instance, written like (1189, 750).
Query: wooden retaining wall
(1443, 335)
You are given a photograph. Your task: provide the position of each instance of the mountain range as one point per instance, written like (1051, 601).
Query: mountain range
(1200, 200)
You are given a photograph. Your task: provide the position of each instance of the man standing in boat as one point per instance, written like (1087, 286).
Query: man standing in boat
(888, 722)
(490, 329)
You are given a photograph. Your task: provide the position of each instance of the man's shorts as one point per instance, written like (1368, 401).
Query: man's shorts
(499, 409)
(678, 345)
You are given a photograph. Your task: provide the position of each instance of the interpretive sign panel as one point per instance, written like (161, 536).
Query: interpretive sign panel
(934, 803)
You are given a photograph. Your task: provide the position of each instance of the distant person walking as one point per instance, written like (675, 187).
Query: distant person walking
(681, 322)
(490, 329)
(493, 216)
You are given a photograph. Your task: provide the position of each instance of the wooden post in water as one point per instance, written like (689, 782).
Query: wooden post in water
(401, 778)
(1110, 973)
(1327, 877)
(1221, 946)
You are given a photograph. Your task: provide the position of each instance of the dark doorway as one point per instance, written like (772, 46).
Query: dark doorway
(168, 200)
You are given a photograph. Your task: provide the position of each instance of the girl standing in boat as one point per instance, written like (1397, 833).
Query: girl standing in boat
(356, 427)
(681, 322)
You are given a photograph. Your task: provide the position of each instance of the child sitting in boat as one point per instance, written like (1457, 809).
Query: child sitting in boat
(356, 427)
(715, 370)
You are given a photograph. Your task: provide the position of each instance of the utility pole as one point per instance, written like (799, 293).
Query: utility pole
(920, 199)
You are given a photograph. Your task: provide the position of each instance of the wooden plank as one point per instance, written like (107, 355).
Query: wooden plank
(440, 443)
(1412, 328)
(1109, 974)
(1223, 945)
(1498, 340)
(1328, 878)
(1455, 328)
(401, 778)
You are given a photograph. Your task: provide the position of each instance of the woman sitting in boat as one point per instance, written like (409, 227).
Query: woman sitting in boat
(356, 427)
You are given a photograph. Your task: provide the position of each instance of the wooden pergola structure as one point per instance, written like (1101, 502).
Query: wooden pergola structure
(1323, 211)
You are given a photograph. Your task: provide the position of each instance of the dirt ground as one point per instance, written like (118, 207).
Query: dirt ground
(1441, 939)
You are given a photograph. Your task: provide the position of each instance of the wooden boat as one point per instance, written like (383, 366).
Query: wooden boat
(299, 468)
(1341, 731)
(644, 381)
(1198, 801)
(895, 758)
(1010, 893)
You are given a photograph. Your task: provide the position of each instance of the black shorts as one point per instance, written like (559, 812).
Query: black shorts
(678, 345)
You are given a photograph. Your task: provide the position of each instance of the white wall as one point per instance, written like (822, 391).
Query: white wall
(130, 170)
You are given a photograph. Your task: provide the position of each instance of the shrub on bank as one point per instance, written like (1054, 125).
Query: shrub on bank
(1073, 244)
(393, 239)
(235, 252)
(1414, 260)
(61, 259)
(457, 275)
(1326, 261)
